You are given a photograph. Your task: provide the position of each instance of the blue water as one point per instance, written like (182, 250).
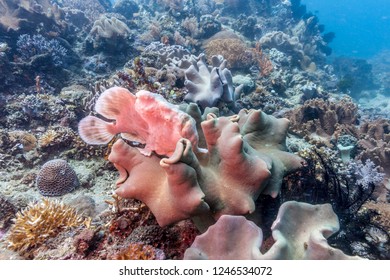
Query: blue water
(362, 27)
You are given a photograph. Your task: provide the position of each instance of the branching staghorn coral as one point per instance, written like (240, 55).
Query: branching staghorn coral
(196, 165)
(30, 47)
(39, 221)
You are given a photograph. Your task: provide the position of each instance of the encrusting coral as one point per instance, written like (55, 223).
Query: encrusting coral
(300, 231)
(39, 221)
(243, 156)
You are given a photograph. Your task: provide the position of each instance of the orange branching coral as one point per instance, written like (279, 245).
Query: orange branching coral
(138, 251)
(233, 50)
(263, 61)
(39, 221)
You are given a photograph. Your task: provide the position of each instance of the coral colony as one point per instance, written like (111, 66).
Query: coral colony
(230, 133)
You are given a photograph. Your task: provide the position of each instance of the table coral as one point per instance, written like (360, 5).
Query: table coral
(243, 155)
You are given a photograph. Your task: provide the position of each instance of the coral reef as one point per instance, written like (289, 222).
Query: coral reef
(56, 178)
(157, 54)
(182, 164)
(91, 9)
(382, 213)
(39, 221)
(126, 8)
(300, 232)
(374, 146)
(287, 44)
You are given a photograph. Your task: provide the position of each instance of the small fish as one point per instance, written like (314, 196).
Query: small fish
(145, 118)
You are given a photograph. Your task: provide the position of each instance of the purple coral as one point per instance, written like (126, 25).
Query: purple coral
(29, 47)
(365, 174)
(56, 178)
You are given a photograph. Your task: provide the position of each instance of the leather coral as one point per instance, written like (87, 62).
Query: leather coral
(299, 231)
(189, 165)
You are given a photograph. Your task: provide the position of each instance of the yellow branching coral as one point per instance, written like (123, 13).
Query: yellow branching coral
(39, 221)
(47, 138)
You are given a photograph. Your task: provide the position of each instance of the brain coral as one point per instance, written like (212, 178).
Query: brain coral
(56, 178)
